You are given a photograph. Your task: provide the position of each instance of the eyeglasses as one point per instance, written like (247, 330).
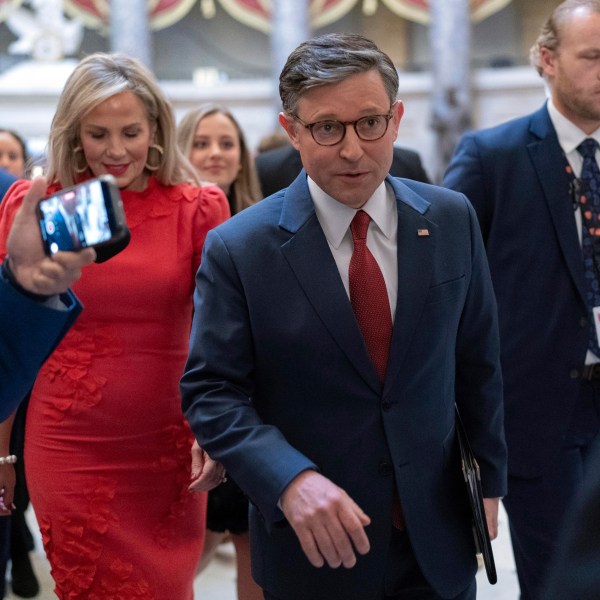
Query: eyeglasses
(330, 133)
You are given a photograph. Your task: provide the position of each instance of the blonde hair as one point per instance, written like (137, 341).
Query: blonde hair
(245, 189)
(549, 36)
(97, 78)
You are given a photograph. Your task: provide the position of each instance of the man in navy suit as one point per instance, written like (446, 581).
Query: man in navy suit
(347, 448)
(277, 168)
(521, 179)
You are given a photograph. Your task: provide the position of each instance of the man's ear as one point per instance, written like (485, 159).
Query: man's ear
(547, 62)
(398, 113)
(291, 128)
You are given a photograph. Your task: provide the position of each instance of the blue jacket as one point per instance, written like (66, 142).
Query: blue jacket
(514, 175)
(279, 380)
(30, 331)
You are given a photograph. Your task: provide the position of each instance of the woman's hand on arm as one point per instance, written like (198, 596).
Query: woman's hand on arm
(206, 473)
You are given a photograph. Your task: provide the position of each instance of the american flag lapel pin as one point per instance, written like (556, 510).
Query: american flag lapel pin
(422, 232)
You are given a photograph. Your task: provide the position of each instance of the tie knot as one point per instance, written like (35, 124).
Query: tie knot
(360, 225)
(587, 148)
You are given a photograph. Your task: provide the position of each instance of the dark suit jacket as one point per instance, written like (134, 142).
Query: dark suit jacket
(279, 380)
(575, 571)
(514, 175)
(30, 331)
(279, 167)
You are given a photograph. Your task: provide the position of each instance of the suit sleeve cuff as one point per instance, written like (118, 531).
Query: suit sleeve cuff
(8, 276)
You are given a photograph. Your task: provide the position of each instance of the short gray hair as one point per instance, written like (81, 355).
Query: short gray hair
(331, 58)
(550, 33)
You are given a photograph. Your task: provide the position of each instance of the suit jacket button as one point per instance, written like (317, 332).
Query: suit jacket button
(385, 405)
(574, 374)
(583, 322)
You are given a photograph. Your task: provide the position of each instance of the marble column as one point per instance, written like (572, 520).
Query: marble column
(130, 29)
(290, 26)
(450, 42)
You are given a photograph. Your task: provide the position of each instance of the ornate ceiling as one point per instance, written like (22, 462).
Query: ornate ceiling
(253, 13)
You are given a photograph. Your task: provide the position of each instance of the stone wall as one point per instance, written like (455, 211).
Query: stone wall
(28, 96)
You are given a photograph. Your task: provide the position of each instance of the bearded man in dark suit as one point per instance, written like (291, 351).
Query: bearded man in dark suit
(530, 187)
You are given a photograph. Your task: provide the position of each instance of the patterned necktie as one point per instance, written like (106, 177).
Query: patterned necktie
(590, 230)
(368, 296)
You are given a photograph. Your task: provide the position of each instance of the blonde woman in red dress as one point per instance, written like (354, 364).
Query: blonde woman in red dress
(107, 449)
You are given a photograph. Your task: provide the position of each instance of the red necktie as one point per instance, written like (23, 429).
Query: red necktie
(371, 305)
(368, 296)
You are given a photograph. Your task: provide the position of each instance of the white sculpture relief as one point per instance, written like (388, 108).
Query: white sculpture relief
(43, 31)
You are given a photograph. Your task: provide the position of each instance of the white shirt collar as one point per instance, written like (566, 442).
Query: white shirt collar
(335, 217)
(569, 135)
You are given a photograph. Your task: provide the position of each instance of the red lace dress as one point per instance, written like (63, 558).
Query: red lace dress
(107, 449)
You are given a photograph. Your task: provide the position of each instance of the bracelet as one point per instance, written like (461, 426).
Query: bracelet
(12, 281)
(11, 459)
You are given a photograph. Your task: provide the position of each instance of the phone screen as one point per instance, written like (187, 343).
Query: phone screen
(78, 217)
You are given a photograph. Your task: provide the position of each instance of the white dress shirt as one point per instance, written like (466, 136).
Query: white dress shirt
(335, 218)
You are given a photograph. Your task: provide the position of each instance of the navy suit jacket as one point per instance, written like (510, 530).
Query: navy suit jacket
(574, 572)
(30, 331)
(279, 380)
(514, 175)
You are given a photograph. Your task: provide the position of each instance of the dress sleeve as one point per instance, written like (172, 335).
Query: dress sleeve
(213, 209)
(8, 208)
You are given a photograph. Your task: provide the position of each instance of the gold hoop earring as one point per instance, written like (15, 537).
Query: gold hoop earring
(160, 152)
(85, 166)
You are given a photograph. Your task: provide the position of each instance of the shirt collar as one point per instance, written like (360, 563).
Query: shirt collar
(335, 217)
(569, 135)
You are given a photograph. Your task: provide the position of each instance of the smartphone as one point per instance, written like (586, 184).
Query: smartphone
(88, 214)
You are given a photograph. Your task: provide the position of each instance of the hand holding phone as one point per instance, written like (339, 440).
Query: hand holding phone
(32, 269)
(84, 215)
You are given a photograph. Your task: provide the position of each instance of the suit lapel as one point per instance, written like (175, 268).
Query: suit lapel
(310, 258)
(549, 163)
(415, 264)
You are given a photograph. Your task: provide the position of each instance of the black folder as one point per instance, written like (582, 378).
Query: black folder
(473, 481)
